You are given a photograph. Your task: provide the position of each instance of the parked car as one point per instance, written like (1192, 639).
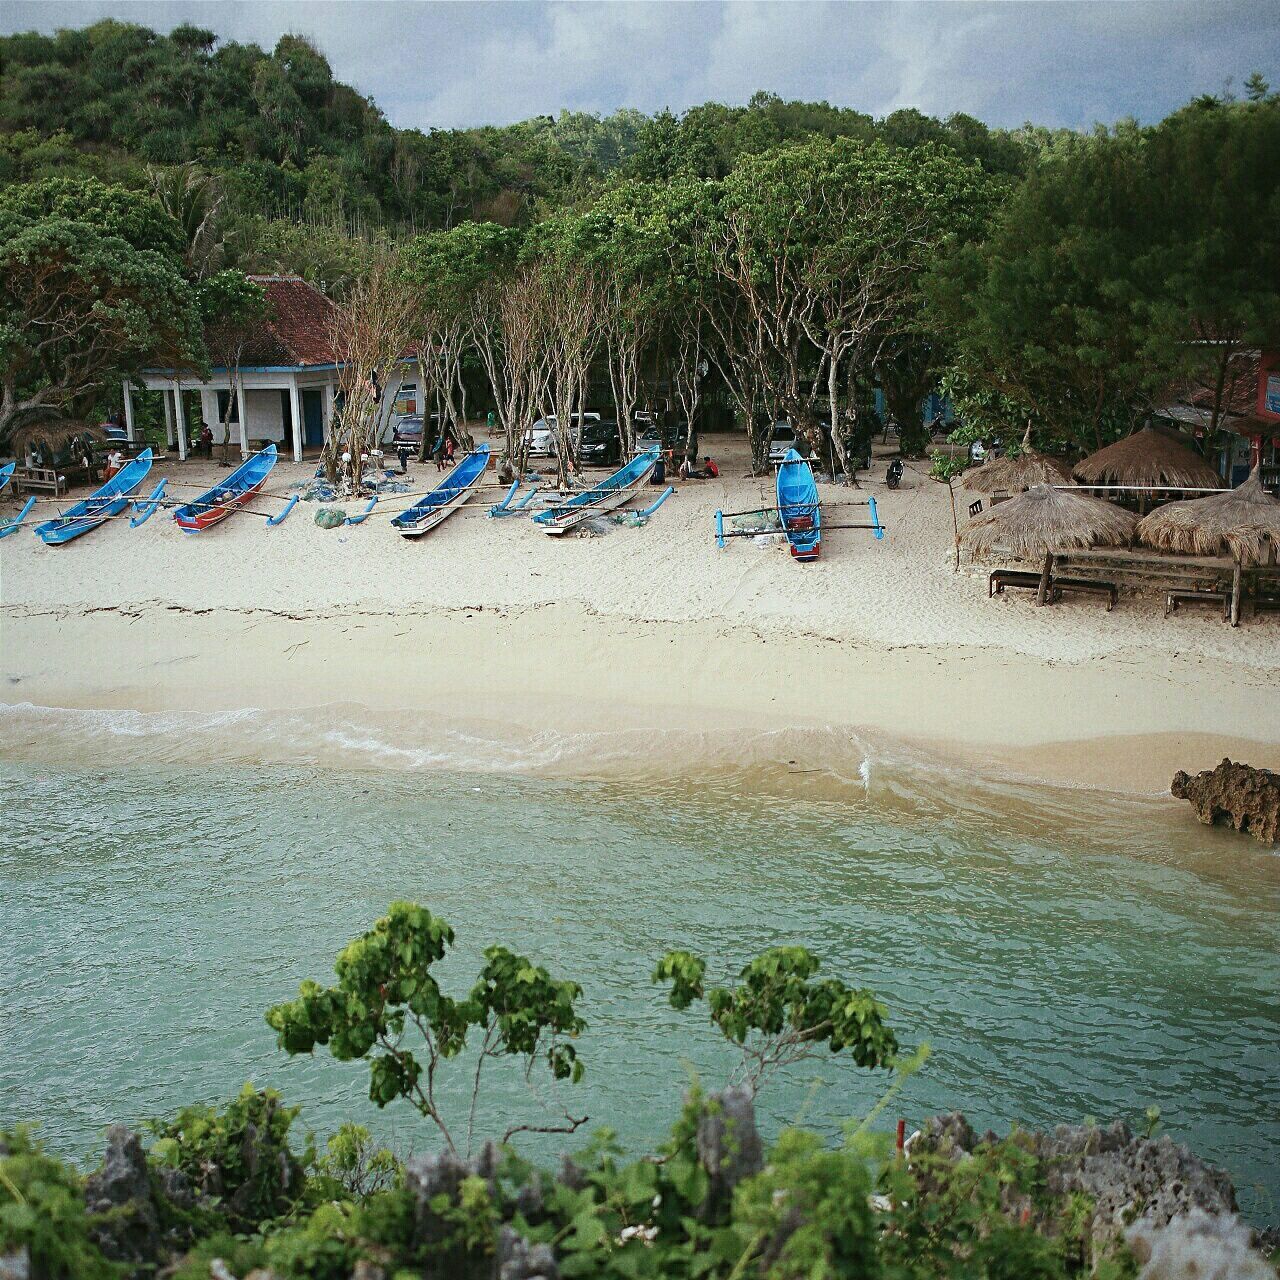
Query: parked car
(597, 444)
(782, 438)
(542, 437)
(408, 430)
(651, 435)
(980, 449)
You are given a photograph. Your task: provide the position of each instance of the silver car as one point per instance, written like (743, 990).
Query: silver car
(542, 436)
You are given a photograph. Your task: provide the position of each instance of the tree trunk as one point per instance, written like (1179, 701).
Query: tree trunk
(1042, 592)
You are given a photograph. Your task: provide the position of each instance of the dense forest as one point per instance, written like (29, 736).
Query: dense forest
(293, 142)
(778, 260)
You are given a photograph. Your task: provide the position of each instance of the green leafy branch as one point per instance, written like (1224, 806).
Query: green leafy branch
(778, 1013)
(386, 992)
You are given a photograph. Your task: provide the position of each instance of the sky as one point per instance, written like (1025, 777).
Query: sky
(429, 64)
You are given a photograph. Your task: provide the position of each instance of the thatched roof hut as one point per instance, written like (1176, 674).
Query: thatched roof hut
(52, 435)
(1147, 459)
(1014, 474)
(1044, 521)
(1245, 522)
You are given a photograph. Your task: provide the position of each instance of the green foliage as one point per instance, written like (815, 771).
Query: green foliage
(42, 1209)
(240, 1155)
(386, 988)
(1125, 262)
(239, 1254)
(777, 1013)
(92, 286)
(947, 466)
(807, 1213)
(355, 1166)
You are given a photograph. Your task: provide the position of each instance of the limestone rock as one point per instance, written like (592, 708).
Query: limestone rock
(1248, 798)
(728, 1142)
(1154, 1180)
(125, 1224)
(1197, 1246)
(520, 1260)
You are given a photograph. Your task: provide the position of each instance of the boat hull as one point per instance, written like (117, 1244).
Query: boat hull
(798, 507)
(219, 512)
(216, 504)
(110, 500)
(452, 492)
(618, 489)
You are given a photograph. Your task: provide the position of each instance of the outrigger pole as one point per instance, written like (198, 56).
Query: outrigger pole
(875, 526)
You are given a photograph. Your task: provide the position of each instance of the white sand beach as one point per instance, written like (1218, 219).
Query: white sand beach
(651, 627)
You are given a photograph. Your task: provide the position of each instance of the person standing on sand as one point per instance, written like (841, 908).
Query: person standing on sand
(438, 451)
(402, 452)
(448, 451)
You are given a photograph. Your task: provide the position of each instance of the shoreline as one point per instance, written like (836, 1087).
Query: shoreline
(1119, 727)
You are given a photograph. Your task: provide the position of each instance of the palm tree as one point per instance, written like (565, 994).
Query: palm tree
(196, 202)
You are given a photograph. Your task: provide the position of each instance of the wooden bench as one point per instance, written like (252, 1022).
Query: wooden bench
(1218, 597)
(1001, 578)
(41, 479)
(1093, 586)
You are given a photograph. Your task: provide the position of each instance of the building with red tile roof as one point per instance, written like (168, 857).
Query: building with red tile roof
(287, 381)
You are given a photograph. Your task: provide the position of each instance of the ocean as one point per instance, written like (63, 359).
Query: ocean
(1067, 955)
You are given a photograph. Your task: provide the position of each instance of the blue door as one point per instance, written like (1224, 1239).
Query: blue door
(313, 416)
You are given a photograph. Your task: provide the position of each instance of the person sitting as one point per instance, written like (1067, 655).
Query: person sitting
(709, 469)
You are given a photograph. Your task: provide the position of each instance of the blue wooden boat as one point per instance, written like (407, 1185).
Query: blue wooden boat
(6, 472)
(230, 495)
(613, 492)
(105, 502)
(450, 494)
(798, 506)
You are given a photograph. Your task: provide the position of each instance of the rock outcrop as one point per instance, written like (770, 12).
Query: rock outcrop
(1248, 798)
(126, 1219)
(729, 1145)
(1129, 1179)
(1199, 1246)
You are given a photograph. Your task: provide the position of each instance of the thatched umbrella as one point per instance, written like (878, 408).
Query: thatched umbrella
(1044, 521)
(1244, 522)
(1013, 475)
(1147, 459)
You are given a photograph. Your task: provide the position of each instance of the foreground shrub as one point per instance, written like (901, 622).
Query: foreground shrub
(42, 1212)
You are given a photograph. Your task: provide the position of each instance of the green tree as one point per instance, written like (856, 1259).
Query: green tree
(386, 992)
(778, 1014)
(92, 287)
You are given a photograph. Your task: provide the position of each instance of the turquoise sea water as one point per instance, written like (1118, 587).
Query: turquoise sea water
(1066, 955)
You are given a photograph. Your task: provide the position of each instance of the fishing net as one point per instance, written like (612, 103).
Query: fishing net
(330, 518)
(756, 522)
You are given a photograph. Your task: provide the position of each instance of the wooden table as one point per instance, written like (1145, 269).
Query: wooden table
(1162, 567)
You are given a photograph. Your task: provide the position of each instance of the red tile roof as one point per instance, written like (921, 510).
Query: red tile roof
(296, 331)
(1239, 392)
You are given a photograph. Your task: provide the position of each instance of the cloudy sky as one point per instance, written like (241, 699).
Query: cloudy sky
(432, 64)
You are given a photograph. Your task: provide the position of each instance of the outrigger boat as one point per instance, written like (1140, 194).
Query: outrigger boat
(613, 492)
(6, 472)
(799, 509)
(451, 493)
(230, 495)
(105, 502)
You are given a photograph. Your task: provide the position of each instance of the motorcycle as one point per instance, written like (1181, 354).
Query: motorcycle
(894, 476)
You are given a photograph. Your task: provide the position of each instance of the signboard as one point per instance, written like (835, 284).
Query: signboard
(1272, 400)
